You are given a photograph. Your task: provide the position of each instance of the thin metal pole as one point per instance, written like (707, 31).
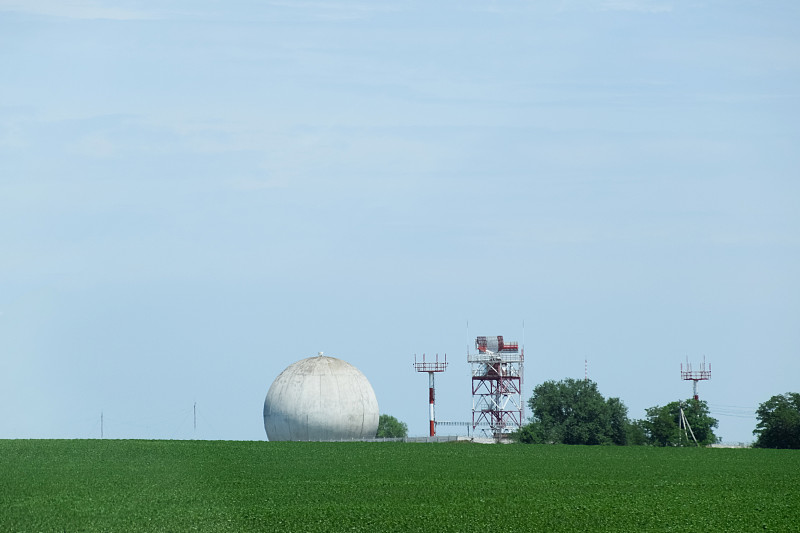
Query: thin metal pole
(432, 396)
(686, 425)
(467, 338)
(522, 389)
(101, 424)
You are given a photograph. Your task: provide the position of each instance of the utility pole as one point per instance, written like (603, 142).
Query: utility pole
(684, 425)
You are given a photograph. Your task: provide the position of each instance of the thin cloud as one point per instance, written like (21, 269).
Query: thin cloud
(95, 146)
(336, 10)
(76, 9)
(641, 6)
(258, 184)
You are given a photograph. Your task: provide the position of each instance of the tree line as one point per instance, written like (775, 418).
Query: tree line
(573, 411)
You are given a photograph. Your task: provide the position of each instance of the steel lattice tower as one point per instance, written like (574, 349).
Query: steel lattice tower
(497, 370)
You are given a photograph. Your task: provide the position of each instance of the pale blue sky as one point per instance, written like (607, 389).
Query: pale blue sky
(194, 195)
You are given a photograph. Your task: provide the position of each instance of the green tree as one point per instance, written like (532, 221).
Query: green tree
(390, 427)
(574, 412)
(779, 422)
(663, 424)
(636, 433)
(618, 421)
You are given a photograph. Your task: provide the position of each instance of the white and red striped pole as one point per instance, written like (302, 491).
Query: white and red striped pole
(432, 397)
(431, 368)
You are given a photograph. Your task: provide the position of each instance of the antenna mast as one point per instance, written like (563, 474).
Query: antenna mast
(431, 368)
(695, 375)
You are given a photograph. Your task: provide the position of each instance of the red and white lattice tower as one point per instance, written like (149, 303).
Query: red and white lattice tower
(688, 374)
(497, 369)
(431, 368)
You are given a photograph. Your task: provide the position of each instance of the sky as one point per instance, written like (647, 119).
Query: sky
(196, 194)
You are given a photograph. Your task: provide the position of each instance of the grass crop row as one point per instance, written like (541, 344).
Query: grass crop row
(104, 485)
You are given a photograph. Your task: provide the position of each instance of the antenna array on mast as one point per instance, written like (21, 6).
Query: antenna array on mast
(688, 374)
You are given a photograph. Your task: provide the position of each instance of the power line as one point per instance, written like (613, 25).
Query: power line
(734, 411)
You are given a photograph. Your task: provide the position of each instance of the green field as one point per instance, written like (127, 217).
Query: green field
(107, 485)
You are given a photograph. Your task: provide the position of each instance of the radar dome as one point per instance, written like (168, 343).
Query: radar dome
(320, 398)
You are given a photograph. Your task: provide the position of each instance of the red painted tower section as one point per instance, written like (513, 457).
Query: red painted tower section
(431, 368)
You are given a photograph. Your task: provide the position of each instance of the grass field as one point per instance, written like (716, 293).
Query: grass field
(107, 485)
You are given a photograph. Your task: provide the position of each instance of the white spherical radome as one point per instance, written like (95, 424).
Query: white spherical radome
(320, 398)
